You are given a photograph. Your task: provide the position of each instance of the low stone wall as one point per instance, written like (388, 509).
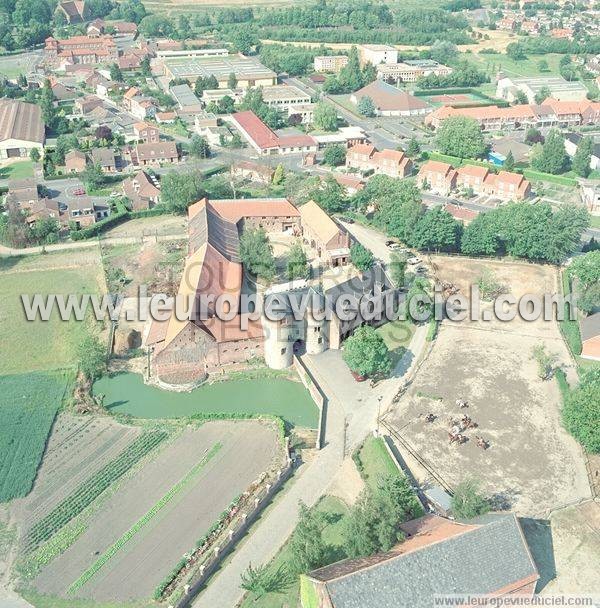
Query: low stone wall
(318, 395)
(230, 537)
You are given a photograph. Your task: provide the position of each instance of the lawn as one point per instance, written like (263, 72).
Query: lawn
(13, 65)
(28, 406)
(43, 345)
(336, 510)
(595, 221)
(17, 170)
(374, 461)
(397, 336)
(528, 67)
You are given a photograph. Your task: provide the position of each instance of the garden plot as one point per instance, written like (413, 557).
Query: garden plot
(532, 464)
(177, 495)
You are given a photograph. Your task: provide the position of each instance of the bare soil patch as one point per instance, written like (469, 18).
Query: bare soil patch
(248, 448)
(532, 464)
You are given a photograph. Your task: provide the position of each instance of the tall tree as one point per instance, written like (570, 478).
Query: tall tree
(325, 116)
(461, 136)
(551, 156)
(366, 106)
(361, 257)
(542, 95)
(232, 81)
(257, 253)
(366, 353)
(307, 546)
(467, 501)
(581, 411)
(297, 264)
(583, 157)
(437, 230)
(509, 162)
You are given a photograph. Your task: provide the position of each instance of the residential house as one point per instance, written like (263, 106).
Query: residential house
(572, 141)
(146, 133)
(391, 101)
(22, 129)
(143, 190)
(351, 183)
(504, 185)
(438, 177)
(255, 172)
(95, 28)
(81, 211)
(84, 105)
(472, 177)
(22, 193)
(75, 11)
(589, 328)
(323, 234)
(105, 157)
(75, 161)
(488, 556)
(165, 117)
(155, 154)
(589, 190)
(365, 157)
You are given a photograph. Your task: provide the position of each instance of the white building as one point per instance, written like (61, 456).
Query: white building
(560, 89)
(377, 53)
(330, 63)
(21, 129)
(283, 96)
(572, 141)
(411, 70)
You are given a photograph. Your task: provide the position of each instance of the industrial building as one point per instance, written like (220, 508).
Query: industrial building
(248, 71)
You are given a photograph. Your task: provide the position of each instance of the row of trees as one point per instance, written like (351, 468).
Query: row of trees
(584, 273)
(351, 77)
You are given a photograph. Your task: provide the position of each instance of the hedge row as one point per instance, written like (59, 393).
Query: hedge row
(531, 174)
(243, 416)
(116, 219)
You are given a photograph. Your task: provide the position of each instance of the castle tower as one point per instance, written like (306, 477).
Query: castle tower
(278, 345)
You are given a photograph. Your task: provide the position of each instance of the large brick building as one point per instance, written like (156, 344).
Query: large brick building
(80, 49)
(195, 341)
(366, 157)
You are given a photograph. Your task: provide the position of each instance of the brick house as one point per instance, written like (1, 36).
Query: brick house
(366, 157)
(590, 337)
(75, 161)
(142, 190)
(439, 177)
(104, 157)
(331, 241)
(146, 133)
(155, 154)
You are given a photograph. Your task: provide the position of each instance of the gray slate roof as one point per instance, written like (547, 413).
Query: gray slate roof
(483, 560)
(590, 327)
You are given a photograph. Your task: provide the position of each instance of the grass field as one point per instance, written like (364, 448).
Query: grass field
(28, 406)
(375, 461)
(397, 336)
(336, 510)
(595, 221)
(18, 170)
(13, 65)
(43, 345)
(527, 67)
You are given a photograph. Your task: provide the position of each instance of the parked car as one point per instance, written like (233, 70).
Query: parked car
(420, 270)
(348, 220)
(414, 260)
(358, 377)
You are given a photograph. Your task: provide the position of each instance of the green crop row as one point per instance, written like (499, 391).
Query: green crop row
(90, 489)
(28, 406)
(143, 521)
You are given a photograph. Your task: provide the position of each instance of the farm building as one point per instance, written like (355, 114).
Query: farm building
(488, 556)
(21, 129)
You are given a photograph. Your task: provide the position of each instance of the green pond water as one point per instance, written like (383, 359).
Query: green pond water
(127, 394)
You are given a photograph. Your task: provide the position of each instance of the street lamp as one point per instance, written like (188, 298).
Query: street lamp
(378, 410)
